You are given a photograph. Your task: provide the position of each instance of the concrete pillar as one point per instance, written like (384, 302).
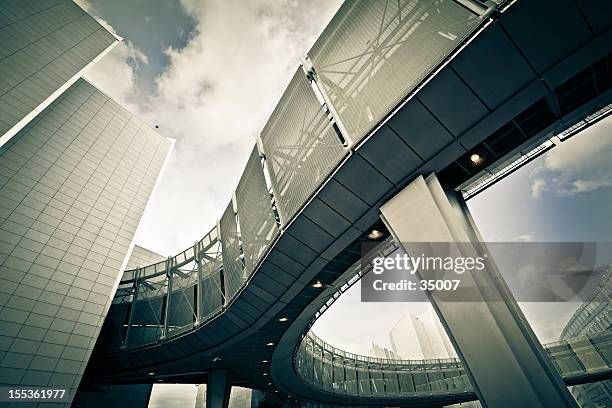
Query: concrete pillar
(505, 362)
(218, 388)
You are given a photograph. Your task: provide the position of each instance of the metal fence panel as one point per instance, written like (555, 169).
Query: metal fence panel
(257, 222)
(375, 52)
(233, 271)
(300, 145)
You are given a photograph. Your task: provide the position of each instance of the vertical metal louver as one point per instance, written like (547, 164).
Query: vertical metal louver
(257, 223)
(374, 53)
(233, 272)
(212, 295)
(300, 145)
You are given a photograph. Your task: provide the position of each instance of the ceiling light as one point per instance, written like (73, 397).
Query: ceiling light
(264, 361)
(476, 158)
(375, 234)
(151, 373)
(269, 344)
(283, 319)
(317, 285)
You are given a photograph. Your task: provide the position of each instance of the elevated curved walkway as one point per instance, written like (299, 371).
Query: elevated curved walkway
(338, 372)
(351, 130)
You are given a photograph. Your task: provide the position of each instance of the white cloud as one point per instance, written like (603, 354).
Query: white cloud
(523, 238)
(115, 73)
(579, 165)
(537, 186)
(214, 98)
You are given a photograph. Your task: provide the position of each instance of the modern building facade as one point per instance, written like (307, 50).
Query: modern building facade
(381, 352)
(75, 182)
(421, 337)
(142, 257)
(239, 397)
(593, 316)
(45, 46)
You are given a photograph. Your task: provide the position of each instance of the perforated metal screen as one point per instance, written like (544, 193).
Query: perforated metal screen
(374, 52)
(230, 248)
(301, 146)
(257, 223)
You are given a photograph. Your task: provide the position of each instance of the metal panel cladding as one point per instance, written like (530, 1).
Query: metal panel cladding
(255, 216)
(300, 145)
(374, 53)
(233, 271)
(43, 45)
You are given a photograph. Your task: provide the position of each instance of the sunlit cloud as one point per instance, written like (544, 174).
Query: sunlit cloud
(579, 165)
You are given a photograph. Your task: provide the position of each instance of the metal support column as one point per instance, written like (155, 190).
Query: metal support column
(132, 307)
(197, 251)
(169, 274)
(505, 362)
(218, 388)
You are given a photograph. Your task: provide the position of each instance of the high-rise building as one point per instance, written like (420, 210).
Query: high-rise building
(381, 352)
(74, 183)
(142, 257)
(125, 395)
(239, 397)
(421, 336)
(45, 45)
(594, 315)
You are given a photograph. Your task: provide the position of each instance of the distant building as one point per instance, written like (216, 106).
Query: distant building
(142, 257)
(422, 336)
(381, 352)
(594, 315)
(239, 397)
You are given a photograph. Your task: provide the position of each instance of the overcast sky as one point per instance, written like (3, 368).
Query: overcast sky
(209, 73)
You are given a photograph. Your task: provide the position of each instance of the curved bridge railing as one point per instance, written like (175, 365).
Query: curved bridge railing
(336, 371)
(357, 74)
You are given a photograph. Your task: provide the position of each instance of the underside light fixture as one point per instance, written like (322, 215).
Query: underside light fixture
(317, 285)
(524, 158)
(269, 383)
(264, 374)
(264, 361)
(152, 373)
(283, 319)
(270, 344)
(476, 159)
(218, 358)
(375, 234)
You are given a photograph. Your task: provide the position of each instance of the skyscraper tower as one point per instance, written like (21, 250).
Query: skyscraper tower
(76, 173)
(421, 336)
(45, 47)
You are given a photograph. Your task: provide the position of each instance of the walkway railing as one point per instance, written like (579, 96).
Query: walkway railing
(330, 369)
(357, 73)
